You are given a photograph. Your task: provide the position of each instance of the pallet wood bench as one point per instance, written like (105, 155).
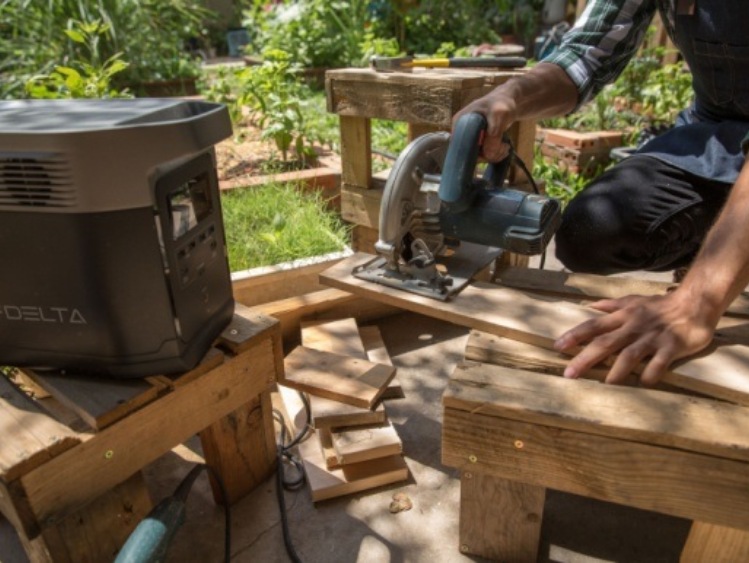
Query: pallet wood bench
(70, 463)
(513, 432)
(427, 100)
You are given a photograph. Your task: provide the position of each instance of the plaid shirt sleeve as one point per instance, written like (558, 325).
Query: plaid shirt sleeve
(597, 48)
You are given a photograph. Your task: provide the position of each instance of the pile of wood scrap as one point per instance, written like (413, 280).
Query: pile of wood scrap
(346, 373)
(579, 153)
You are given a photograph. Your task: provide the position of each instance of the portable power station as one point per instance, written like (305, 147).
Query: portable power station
(112, 242)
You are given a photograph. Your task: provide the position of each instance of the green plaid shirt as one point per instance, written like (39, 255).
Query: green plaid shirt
(603, 40)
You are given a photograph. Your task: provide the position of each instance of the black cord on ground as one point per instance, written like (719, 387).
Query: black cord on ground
(227, 511)
(284, 455)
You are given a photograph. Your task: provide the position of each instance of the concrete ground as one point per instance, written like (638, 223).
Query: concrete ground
(360, 528)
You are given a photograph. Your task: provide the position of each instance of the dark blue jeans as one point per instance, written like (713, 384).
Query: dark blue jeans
(642, 214)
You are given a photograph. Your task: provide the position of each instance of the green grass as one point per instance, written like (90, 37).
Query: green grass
(276, 223)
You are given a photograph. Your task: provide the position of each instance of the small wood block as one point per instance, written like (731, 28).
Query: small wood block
(349, 380)
(328, 413)
(245, 328)
(377, 352)
(339, 337)
(326, 484)
(355, 445)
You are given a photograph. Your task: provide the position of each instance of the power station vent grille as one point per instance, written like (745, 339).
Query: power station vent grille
(35, 179)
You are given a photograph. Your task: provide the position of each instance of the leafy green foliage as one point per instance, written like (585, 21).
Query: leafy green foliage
(277, 223)
(316, 33)
(149, 33)
(93, 76)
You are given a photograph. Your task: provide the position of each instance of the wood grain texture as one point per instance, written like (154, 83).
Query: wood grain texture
(641, 415)
(666, 480)
(242, 448)
(108, 457)
(326, 484)
(356, 145)
(500, 519)
(717, 544)
(338, 337)
(593, 287)
(349, 380)
(354, 445)
(96, 400)
(30, 437)
(721, 372)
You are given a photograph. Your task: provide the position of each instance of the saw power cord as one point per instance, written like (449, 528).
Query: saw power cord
(286, 457)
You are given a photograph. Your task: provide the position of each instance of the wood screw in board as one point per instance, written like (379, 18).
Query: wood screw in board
(109, 454)
(468, 475)
(472, 458)
(464, 548)
(519, 444)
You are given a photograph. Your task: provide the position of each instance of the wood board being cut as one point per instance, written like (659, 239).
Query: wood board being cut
(721, 372)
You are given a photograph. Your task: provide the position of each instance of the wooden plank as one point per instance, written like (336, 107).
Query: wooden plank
(593, 287)
(326, 484)
(280, 281)
(500, 519)
(349, 380)
(99, 401)
(30, 437)
(356, 151)
(717, 544)
(699, 425)
(489, 348)
(108, 457)
(666, 480)
(355, 445)
(325, 304)
(361, 206)
(721, 372)
(422, 97)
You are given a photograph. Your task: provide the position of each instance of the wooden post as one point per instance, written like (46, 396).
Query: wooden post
(500, 519)
(717, 544)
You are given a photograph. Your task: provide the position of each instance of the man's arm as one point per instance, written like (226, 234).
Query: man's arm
(661, 329)
(544, 91)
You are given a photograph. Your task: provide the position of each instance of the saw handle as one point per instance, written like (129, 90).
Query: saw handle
(457, 184)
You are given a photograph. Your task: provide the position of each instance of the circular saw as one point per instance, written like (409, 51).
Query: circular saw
(440, 223)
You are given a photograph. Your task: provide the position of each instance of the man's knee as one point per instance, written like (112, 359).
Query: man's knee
(585, 239)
